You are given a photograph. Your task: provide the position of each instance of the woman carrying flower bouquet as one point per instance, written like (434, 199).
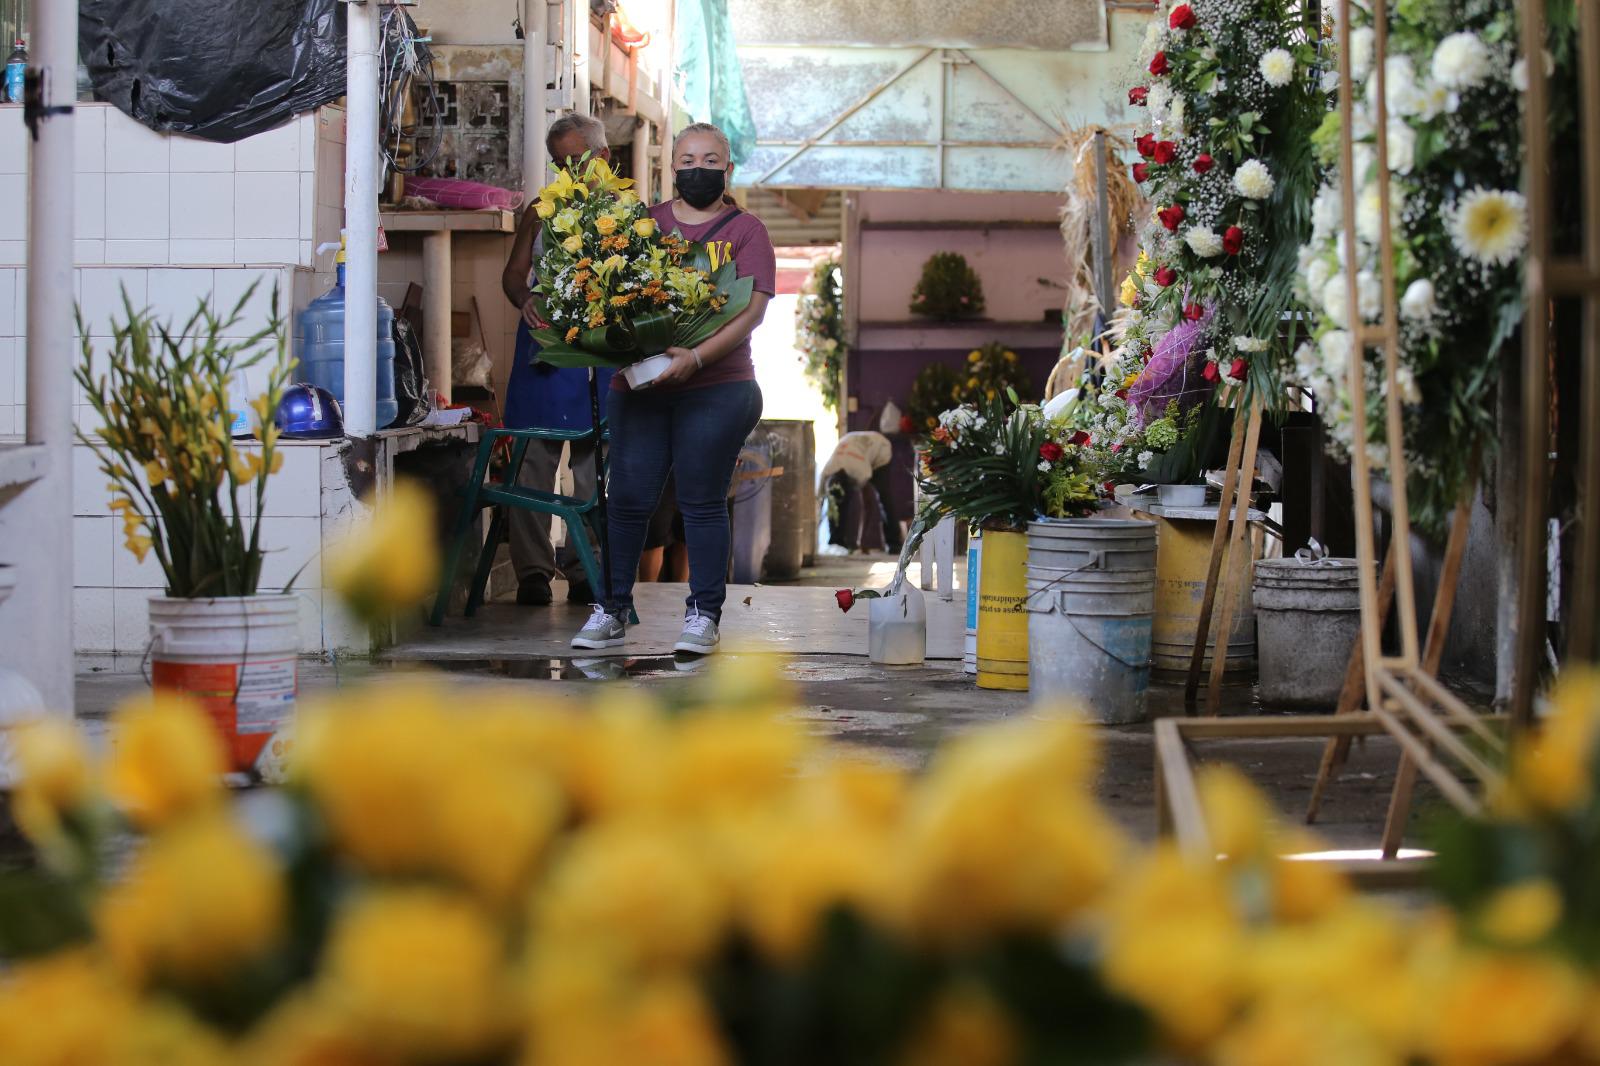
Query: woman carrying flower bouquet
(693, 419)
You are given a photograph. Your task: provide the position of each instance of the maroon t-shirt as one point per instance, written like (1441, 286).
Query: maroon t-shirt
(746, 239)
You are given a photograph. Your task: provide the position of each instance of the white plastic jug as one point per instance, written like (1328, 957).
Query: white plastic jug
(897, 627)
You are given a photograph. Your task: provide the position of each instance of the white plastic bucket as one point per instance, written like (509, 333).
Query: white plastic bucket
(969, 649)
(239, 657)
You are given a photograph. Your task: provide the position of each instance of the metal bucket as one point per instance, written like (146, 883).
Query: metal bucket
(1308, 617)
(1091, 604)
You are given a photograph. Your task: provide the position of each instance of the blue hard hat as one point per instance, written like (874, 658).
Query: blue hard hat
(310, 412)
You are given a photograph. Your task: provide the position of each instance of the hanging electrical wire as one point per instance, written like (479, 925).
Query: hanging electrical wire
(407, 63)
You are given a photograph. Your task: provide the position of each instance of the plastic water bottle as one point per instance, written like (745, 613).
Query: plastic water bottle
(16, 68)
(319, 347)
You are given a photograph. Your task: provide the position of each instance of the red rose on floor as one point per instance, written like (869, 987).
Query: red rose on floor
(1203, 162)
(1193, 312)
(1171, 217)
(1146, 145)
(1080, 437)
(1159, 65)
(1209, 373)
(1109, 487)
(1182, 17)
(846, 598)
(1137, 95)
(1166, 276)
(1141, 171)
(1050, 451)
(1165, 152)
(1236, 371)
(1232, 240)
(906, 425)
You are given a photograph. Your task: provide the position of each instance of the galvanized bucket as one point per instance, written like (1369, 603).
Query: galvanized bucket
(1091, 602)
(1308, 617)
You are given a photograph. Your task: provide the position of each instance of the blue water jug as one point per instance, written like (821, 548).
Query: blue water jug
(319, 347)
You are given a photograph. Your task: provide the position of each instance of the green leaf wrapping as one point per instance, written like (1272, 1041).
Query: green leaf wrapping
(694, 332)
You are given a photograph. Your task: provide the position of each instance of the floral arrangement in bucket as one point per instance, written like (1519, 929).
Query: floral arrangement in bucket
(819, 328)
(1153, 419)
(177, 477)
(615, 291)
(520, 882)
(1230, 102)
(1459, 227)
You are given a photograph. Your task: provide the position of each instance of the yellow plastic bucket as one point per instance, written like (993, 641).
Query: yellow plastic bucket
(1183, 553)
(1002, 612)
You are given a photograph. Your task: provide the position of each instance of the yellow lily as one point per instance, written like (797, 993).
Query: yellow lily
(544, 208)
(562, 188)
(600, 177)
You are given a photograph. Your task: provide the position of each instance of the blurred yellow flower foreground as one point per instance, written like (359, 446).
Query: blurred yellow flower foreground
(503, 881)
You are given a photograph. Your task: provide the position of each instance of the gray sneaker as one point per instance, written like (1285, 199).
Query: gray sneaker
(699, 636)
(603, 630)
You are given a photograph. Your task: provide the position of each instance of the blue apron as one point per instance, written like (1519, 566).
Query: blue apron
(541, 396)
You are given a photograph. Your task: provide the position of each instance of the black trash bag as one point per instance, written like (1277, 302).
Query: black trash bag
(218, 69)
(411, 388)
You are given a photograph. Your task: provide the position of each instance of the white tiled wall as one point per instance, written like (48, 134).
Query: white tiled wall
(145, 198)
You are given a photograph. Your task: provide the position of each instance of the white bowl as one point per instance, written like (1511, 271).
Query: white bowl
(1182, 495)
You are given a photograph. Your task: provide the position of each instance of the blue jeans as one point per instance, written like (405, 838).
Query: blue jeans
(699, 433)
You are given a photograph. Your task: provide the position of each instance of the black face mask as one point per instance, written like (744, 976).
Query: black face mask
(701, 187)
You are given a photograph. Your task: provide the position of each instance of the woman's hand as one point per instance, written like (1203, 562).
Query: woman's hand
(530, 312)
(682, 369)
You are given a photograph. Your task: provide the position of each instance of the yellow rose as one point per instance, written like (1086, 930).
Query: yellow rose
(573, 244)
(1235, 812)
(1128, 295)
(636, 889)
(200, 899)
(627, 198)
(605, 225)
(393, 562)
(1503, 1008)
(163, 1033)
(964, 1027)
(645, 227)
(726, 760)
(1521, 914)
(61, 1008)
(407, 788)
(167, 758)
(52, 767)
(973, 356)
(417, 973)
(1552, 770)
(544, 209)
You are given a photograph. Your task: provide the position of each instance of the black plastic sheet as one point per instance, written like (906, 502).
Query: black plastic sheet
(218, 69)
(411, 388)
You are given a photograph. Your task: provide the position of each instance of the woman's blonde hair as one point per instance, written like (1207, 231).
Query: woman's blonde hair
(705, 127)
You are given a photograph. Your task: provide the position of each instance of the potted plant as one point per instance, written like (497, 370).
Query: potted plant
(181, 484)
(949, 289)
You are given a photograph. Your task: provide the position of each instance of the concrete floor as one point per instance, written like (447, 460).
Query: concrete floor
(901, 713)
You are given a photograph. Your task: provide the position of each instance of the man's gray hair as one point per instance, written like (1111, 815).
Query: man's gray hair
(593, 130)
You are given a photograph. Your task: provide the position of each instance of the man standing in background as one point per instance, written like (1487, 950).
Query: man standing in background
(858, 458)
(540, 396)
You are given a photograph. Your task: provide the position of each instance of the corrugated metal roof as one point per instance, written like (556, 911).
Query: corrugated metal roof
(798, 217)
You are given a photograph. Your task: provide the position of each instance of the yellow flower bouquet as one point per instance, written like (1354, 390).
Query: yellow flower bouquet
(177, 477)
(614, 289)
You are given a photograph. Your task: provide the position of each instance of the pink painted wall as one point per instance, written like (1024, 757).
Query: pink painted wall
(1010, 262)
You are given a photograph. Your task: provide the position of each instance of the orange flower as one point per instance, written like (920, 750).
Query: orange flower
(572, 334)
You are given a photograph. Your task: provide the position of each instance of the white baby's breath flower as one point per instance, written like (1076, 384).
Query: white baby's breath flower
(1044, 466)
(1175, 114)
(1249, 344)
(1144, 459)
(1461, 61)
(1203, 241)
(1407, 381)
(1277, 68)
(1253, 179)
(1490, 225)
(1156, 102)
(1418, 302)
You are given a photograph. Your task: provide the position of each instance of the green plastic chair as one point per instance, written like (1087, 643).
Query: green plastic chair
(505, 495)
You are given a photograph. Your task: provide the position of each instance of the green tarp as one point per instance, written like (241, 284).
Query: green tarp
(710, 80)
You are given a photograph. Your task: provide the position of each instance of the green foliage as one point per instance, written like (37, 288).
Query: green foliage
(948, 289)
(936, 389)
